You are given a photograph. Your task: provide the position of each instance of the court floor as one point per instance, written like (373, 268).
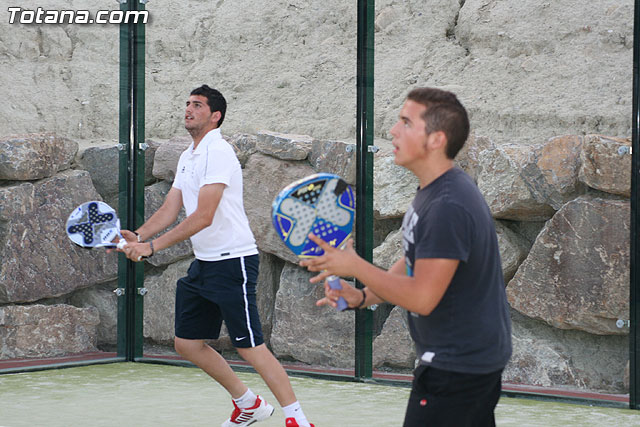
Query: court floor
(139, 395)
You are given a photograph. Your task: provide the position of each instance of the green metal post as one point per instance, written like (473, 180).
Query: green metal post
(137, 204)
(364, 183)
(131, 179)
(124, 146)
(634, 284)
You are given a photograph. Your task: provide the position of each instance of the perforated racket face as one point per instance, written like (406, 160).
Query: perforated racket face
(322, 204)
(93, 224)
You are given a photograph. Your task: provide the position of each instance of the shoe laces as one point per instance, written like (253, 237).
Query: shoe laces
(248, 411)
(236, 412)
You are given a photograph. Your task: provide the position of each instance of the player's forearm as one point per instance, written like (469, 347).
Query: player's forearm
(392, 287)
(398, 268)
(160, 220)
(371, 298)
(191, 225)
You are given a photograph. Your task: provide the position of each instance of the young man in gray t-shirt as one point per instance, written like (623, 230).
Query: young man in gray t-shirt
(450, 278)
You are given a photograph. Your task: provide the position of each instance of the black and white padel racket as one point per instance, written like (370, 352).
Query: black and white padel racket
(94, 224)
(322, 204)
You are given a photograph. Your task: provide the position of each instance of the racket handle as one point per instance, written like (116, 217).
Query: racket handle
(121, 244)
(334, 283)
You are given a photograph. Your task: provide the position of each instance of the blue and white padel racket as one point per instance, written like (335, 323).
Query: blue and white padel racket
(322, 204)
(94, 224)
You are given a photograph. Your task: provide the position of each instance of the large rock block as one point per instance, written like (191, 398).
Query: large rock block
(102, 298)
(159, 302)
(244, 145)
(34, 156)
(394, 187)
(529, 230)
(264, 177)
(503, 187)
(167, 155)
(529, 183)
(394, 346)
(154, 196)
(576, 275)
(15, 200)
(604, 167)
(310, 334)
(46, 330)
(389, 251)
(549, 357)
(468, 159)
(103, 163)
(37, 260)
(553, 176)
(284, 146)
(513, 250)
(332, 156)
(268, 283)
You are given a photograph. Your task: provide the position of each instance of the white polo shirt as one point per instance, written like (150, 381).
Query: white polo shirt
(214, 161)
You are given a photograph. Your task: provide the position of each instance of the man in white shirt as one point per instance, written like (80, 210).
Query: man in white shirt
(221, 282)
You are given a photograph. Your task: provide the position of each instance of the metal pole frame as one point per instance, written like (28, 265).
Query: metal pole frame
(364, 180)
(634, 285)
(131, 179)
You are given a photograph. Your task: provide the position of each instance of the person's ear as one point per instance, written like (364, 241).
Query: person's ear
(215, 117)
(437, 140)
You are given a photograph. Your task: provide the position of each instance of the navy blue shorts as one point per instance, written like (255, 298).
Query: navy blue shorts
(445, 398)
(214, 291)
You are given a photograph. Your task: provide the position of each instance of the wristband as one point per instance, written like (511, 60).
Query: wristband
(359, 306)
(151, 246)
(364, 298)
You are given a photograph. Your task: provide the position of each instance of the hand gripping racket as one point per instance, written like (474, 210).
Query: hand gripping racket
(93, 225)
(322, 204)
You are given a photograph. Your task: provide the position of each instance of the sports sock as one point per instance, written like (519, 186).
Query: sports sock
(295, 411)
(247, 400)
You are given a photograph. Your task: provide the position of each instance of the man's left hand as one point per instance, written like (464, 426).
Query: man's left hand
(333, 262)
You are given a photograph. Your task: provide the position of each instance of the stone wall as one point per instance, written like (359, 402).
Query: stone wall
(563, 231)
(542, 80)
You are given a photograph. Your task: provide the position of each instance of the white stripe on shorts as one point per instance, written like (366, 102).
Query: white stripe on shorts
(246, 301)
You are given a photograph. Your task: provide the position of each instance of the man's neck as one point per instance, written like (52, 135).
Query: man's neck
(197, 136)
(430, 171)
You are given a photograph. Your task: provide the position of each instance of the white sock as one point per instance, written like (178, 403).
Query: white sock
(295, 411)
(247, 400)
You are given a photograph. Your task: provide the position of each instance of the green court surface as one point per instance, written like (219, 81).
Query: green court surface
(138, 394)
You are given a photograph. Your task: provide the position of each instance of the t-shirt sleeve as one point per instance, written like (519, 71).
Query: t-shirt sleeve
(219, 167)
(446, 231)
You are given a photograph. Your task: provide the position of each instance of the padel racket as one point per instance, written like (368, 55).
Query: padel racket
(322, 204)
(94, 225)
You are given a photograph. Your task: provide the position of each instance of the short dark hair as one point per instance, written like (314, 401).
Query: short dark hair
(444, 113)
(215, 100)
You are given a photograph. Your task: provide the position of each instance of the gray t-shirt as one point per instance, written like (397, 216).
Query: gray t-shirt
(470, 329)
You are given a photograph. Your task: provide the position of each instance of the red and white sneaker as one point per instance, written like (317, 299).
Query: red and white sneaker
(291, 422)
(244, 417)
